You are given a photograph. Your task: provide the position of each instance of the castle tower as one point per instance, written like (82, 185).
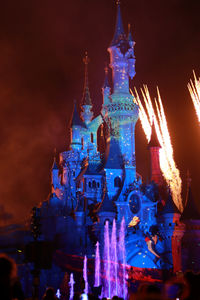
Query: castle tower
(121, 111)
(154, 148)
(86, 100)
(171, 231)
(77, 127)
(55, 180)
(191, 239)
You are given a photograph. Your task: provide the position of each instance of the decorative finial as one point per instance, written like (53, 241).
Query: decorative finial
(86, 59)
(86, 94)
(106, 68)
(106, 81)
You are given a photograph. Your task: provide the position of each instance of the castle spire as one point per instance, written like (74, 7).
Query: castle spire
(154, 142)
(119, 28)
(191, 211)
(54, 166)
(86, 100)
(106, 81)
(76, 120)
(130, 38)
(154, 147)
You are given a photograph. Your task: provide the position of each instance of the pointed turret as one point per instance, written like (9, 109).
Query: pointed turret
(86, 100)
(77, 129)
(76, 120)
(119, 28)
(54, 165)
(55, 179)
(170, 207)
(154, 142)
(130, 38)
(106, 92)
(154, 148)
(191, 211)
(106, 81)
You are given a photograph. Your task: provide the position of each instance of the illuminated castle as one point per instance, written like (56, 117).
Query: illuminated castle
(96, 179)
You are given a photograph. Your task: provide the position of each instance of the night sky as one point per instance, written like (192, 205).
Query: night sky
(42, 44)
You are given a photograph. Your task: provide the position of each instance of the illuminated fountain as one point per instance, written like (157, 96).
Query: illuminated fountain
(114, 261)
(85, 275)
(106, 260)
(97, 266)
(114, 279)
(122, 257)
(71, 284)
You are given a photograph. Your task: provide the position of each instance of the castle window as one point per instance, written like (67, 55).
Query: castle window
(98, 184)
(117, 182)
(89, 184)
(74, 173)
(92, 138)
(93, 183)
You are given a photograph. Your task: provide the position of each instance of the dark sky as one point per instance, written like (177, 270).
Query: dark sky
(42, 44)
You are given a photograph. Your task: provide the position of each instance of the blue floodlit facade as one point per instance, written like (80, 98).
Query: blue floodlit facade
(96, 179)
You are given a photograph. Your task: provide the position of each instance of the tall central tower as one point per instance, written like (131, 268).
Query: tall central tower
(121, 113)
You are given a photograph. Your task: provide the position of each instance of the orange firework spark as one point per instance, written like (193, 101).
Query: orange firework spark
(194, 89)
(167, 164)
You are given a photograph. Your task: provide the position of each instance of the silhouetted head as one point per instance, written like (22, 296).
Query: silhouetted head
(8, 268)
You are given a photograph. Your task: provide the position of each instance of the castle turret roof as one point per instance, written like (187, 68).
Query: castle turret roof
(94, 169)
(191, 211)
(54, 166)
(114, 159)
(154, 142)
(130, 38)
(107, 205)
(86, 100)
(106, 81)
(76, 120)
(119, 28)
(170, 207)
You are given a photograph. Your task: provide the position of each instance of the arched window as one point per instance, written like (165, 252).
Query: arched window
(117, 182)
(92, 138)
(98, 184)
(74, 173)
(89, 184)
(93, 183)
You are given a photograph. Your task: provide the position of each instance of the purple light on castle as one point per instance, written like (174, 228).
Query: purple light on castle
(85, 274)
(107, 287)
(71, 284)
(97, 266)
(114, 261)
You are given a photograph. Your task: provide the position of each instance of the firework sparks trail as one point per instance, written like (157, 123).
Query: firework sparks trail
(194, 89)
(167, 164)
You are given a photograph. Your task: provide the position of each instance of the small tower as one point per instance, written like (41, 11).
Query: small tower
(191, 239)
(106, 92)
(154, 148)
(121, 112)
(77, 129)
(86, 100)
(172, 233)
(55, 180)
